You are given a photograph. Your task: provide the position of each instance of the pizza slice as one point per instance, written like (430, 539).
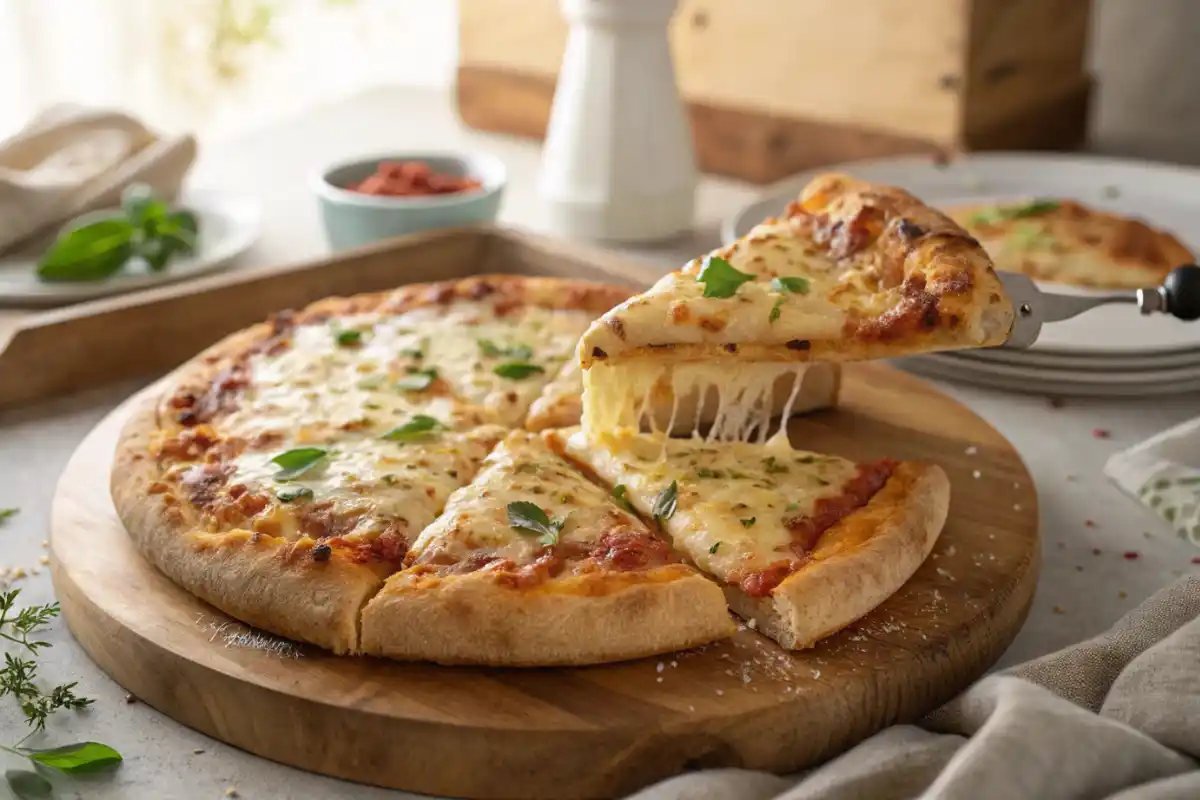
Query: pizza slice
(532, 564)
(851, 271)
(803, 544)
(1063, 241)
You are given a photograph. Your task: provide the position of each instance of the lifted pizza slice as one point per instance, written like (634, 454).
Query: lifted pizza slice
(532, 564)
(803, 544)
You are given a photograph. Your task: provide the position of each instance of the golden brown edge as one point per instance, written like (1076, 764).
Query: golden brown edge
(830, 594)
(262, 581)
(575, 621)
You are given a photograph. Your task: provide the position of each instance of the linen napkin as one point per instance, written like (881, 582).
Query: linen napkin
(1115, 717)
(1163, 472)
(71, 160)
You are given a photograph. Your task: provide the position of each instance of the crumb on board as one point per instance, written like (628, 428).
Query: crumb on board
(1061, 545)
(1122, 594)
(976, 474)
(130, 699)
(658, 679)
(1079, 567)
(971, 450)
(1089, 523)
(1148, 534)
(198, 751)
(232, 792)
(1071, 478)
(720, 692)
(1096, 551)
(1059, 610)
(44, 560)
(1056, 402)
(1016, 506)
(45, 544)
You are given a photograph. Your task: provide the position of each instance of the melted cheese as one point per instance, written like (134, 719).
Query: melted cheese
(378, 482)
(732, 498)
(522, 468)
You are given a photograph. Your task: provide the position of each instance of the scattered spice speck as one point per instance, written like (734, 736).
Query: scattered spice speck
(1148, 534)
(1056, 402)
(1131, 555)
(130, 699)
(1096, 551)
(1101, 433)
(1196, 559)
(1089, 523)
(198, 751)
(1061, 545)
(1059, 610)
(1122, 594)
(1071, 479)
(1079, 567)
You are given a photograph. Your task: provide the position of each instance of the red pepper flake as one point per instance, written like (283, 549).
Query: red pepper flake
(1101, 433)
(1196, 559)
(1132, 555)
(1056, 402)
(1089, 523)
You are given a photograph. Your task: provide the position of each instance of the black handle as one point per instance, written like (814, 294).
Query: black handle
(1182, 290)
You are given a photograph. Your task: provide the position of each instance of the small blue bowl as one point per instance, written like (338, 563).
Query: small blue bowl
(352, 218)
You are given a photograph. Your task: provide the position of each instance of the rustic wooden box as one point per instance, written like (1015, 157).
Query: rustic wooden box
(777, 86)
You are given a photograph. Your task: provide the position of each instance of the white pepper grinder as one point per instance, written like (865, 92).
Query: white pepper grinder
(617, 163)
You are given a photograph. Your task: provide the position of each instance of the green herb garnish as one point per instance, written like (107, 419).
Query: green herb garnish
(529, 518)
(418, 380)
(713, 549)
(775, 310)
(349, 338)
(705, 472)
(790, 285)
(145, 228)
(719, 277)
(7, 513)
(412, 352)
(664, 504)
(990, 216)
(618, 495)
(80, 758)
(419, 426)
(290, 493)
(294, 463)
(517, 352)
(772, 466)
(517, 370)
(748, 523)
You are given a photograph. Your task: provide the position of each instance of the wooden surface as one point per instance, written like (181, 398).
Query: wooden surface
(65, 350)
(777, 86)
(590, 732)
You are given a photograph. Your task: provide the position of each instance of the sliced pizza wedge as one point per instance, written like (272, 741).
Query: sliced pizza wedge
(803, 544)
(532, 564)
(851, 271)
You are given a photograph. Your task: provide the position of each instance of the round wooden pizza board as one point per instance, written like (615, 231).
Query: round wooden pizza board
(584, 732)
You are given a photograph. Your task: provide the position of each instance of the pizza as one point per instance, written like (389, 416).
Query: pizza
(850, 271)
(1063, 241)
(802, 543)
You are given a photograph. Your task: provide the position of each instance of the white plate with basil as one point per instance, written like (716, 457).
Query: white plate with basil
(144, 243)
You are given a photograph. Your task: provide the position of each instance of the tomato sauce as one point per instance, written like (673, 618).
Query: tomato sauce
(412, 179)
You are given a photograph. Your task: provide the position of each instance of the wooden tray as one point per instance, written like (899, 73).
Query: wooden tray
(585, 732)
(147, 333)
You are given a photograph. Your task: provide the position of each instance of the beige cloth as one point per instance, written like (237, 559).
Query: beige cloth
(69, 161)
(1116, 717)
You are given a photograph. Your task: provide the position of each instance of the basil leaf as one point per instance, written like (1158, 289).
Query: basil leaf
(517, 370)
(713, 549)
(349, 338)
(664, 504)
(27, 785)
(182, 223)
(618, 495)
(528, 518)
(78, 758)
(719, 277)
(290, 493)
(775, 312)
(91, 253)
(991, 216)
(790, 285)
(420, 425)
(418, 380)
(293, 463)
(519, 352)
(140, 206)
(748, 523)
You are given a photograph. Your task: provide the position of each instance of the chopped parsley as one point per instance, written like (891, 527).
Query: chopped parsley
(618, 496)
(530, 519)
(350, 338)
(705, 472)
(790, 285)
(412, 352)
(748, 523)
(792, 507)
(720, 278)
(775, 310)
(294, 463)
(417, 380)
(990, 216)
(290, 493)
(517, 370)
(664, 504)
(516, 351)
(419, 426)
(772, 466)
(713, 549)
(371, 382)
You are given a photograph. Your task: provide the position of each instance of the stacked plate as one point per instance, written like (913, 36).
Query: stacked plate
(1109, 351)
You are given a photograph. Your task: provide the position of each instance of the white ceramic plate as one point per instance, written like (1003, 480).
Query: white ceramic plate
(1054, 382)
(229, 225)
(1051, 360)
(1166, 196)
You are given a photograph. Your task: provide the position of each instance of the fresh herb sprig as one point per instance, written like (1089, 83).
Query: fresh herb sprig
(146, 228)
(18, 676)
(530, 518)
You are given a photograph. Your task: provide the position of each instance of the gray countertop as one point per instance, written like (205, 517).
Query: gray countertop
(1080, 593)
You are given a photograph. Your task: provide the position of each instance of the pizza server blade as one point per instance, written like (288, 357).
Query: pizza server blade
(1179, 296)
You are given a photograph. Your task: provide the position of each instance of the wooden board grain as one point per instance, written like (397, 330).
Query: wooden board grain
(587, 732)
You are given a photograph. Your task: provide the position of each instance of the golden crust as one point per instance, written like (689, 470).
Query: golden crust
(1062, 241)
(860, 562)
(476, 619)
(267, 582)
